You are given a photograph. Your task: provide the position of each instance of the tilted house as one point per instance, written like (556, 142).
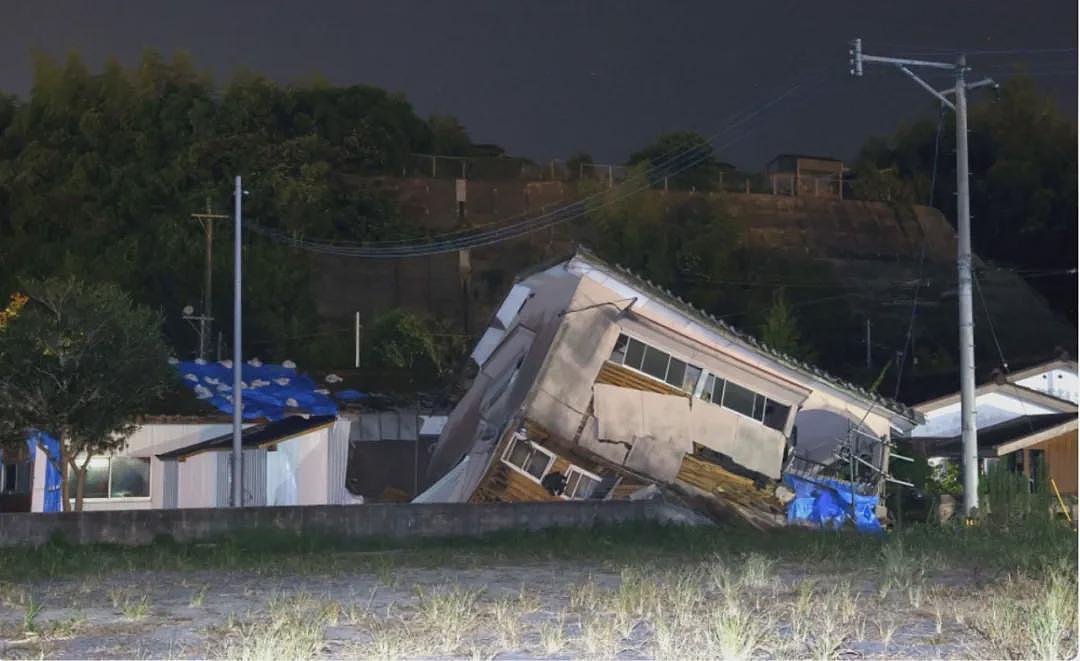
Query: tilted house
(593, 383)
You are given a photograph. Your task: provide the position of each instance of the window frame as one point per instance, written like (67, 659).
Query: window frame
(108, 486)
(765, 400)
(574, 468)
(515, 439)
(687, 365)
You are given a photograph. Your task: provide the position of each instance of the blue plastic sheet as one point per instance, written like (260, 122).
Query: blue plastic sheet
(52, 474)
(349, 395)
(827, 503)
(268, 390)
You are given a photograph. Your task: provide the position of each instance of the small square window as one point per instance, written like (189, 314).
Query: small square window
(635, 352)
(676, 372)
(655, 363)
(130, 477)
(690, 378)
(707, 391)
(618, 354)
(519, 454)
(537, 465)
(739, 399)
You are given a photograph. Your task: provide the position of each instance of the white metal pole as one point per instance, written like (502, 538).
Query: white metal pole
(968, 426)
(238, 397)
(358, 339)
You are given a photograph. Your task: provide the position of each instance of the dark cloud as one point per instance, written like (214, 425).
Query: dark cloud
(547, 78)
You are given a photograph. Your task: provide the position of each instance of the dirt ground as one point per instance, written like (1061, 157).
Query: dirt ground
(718, 607)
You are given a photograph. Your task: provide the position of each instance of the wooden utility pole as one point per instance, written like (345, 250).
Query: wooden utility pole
(206, 319)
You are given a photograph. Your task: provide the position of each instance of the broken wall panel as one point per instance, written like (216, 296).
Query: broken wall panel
(656, 425)
(748, 442)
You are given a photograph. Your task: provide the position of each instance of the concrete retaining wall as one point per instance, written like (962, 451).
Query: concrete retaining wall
(395, 521)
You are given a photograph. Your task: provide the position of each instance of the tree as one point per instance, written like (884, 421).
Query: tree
(577, 166)
(79, 362)
(99, 172)
(448, 136)
(1023, 181)
(781, 329)
(686, 153)
(401, 340)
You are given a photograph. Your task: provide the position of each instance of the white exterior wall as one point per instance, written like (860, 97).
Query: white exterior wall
(147, 441)
(197, 484)
(1060, 383)
(308, 456)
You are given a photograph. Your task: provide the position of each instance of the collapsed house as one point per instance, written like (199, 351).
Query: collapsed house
(593, 383)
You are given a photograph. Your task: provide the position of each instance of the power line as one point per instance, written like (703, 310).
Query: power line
(564, 214)
(922, 258)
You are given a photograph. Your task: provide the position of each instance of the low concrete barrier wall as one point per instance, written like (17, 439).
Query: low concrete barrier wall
(389, 520)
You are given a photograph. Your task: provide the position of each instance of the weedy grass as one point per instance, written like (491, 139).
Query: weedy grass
(448, 614)
(291, 627)
(31, 610)
(135, 608)
(277, 552)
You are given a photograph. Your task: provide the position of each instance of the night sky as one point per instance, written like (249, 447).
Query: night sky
(544, 79)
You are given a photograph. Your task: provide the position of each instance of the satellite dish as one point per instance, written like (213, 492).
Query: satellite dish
(188, 310)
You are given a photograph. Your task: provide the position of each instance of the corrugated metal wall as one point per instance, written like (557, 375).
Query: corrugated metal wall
(253, 467)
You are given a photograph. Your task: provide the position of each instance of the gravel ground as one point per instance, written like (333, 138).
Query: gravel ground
(717, 607)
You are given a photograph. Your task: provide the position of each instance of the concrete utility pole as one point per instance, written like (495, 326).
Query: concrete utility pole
(969, 430)
(238, 356)
(206, 319)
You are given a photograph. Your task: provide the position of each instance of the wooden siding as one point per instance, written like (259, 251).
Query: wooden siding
(714, 479)
(624, 377)
(1061, 458)
(502, 483)
(626, 488)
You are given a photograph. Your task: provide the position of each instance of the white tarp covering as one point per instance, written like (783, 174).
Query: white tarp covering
(487, 344)
(432, 425)
(512, 305)
(456, 486)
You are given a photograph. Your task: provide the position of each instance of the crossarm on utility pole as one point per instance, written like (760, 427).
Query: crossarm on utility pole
(985, 82)
(908, 63)
(926, 86)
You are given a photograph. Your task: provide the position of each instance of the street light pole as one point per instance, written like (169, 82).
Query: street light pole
(238, 392)
(969, 429)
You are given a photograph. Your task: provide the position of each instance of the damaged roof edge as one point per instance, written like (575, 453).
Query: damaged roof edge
(747, 341)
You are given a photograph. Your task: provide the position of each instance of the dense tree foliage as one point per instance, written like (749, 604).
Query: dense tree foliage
(692, 246)
(100, 171)
(686, 153)
(1023, 181)
(79, 362)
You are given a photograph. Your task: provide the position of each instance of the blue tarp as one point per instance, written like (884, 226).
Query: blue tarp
(52, 475)
(268, 389)
(827, 503)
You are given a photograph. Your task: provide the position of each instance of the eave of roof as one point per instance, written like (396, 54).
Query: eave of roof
(1008, 433)
(749, 341)
(256, 436)
(1057, 363)
(1028, 394)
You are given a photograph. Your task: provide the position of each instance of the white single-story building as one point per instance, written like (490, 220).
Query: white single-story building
(185, 462)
